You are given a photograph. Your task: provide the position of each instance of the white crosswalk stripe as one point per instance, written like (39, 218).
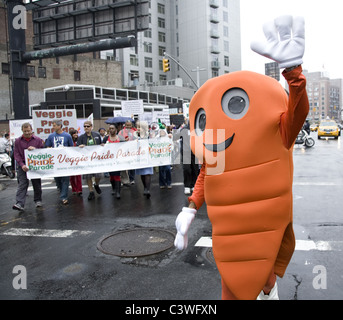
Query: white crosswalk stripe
(301, 245)
(44, 233)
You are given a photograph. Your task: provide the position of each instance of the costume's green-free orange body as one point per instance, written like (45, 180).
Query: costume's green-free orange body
(249, 199)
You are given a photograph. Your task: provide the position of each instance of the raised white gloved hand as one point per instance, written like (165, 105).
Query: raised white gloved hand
(182, 223)
(285, 41)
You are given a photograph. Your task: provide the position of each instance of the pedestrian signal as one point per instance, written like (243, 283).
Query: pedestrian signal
(166, 65)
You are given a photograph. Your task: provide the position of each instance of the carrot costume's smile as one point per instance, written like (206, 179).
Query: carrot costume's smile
(220, 147)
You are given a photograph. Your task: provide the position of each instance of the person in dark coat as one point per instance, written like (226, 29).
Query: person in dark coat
(90, 138)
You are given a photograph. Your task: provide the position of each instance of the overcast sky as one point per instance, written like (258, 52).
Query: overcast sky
(323, 25)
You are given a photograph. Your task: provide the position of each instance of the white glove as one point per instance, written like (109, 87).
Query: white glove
(182, 223)
(289, 49)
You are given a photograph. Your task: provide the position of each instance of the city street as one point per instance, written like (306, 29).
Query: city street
(59, 246)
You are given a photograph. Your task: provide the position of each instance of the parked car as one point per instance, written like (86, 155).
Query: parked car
(313, 127)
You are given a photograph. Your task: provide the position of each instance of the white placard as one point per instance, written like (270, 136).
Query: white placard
(42, 121)
(15, 127)
(164, 116)
(132, 107)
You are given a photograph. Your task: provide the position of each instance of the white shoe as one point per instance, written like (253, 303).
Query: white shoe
(187, 190)
(39, 204)
(273, 294)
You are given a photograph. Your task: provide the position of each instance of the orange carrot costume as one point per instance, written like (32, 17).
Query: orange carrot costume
(243, 127)
(250, 203)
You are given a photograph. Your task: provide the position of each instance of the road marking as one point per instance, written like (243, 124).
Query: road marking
(301, 245)
(316, 184)
(45, 233)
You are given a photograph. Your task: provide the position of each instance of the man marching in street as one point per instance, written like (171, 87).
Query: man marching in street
(90, 138)
(60, 139)
(30, 142)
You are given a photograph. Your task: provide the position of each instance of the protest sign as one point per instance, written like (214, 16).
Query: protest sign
(132, 107)
(163, 116)
(42, 121)
(15, 127)
(70, 161)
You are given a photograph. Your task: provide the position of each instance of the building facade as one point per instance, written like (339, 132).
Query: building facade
(202, 35)
(325, 97)
(85, 69)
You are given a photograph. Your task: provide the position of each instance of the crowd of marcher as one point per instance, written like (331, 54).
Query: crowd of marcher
(116, 133)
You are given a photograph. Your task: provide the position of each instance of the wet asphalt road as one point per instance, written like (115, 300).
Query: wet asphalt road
(66, 264)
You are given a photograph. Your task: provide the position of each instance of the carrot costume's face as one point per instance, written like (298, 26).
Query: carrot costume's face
(232, 119)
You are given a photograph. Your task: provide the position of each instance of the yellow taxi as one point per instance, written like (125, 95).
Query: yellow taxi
(314, 127)
(328, 128)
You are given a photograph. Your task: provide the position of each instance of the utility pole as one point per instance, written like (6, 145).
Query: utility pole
(197, 70)
(18, 70)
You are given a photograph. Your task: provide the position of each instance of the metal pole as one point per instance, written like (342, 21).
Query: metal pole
(197, 70)
(179, 64)
(17, 46)
(80, 48)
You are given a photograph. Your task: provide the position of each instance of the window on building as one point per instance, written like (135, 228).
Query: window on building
(148, 77)
(88, 110)
(77, 75)
(56, 73)
(106, 112)
(161, 23)
(161, 8)
(148, 62)
(31, 71)
(225, 17)
(215, 73)
(226, 61)
(148, 33)
(226, 31)
(148, 47)
(79, 111)
(161, 37)
(41, 72)
(161, 51)
(134, 60)
(5, 68)
(226, 46)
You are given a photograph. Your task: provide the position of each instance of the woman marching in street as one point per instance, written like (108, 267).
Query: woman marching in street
(75, 181)
(145, 173)
(115, 175)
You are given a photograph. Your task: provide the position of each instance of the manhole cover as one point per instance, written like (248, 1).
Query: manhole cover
(137, 242)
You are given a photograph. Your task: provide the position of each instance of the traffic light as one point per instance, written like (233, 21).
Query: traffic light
(166, 65)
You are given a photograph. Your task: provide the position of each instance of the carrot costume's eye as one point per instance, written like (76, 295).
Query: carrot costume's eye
(235, 103)
(200, 122)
